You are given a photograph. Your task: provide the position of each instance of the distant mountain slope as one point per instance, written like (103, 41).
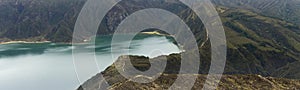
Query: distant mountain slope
(284, 9)
(53, 20)
(37, 20)
(259, 44)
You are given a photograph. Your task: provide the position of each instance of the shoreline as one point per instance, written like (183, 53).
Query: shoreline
(14, 42)
(83, 42)
(154, 33)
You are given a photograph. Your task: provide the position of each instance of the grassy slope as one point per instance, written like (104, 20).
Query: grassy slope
(228, 82)
(259, 44)
(282, 9)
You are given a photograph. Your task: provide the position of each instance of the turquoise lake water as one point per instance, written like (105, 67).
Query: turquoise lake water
(49, 66)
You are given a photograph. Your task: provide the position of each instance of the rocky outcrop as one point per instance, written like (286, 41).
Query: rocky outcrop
(228, 82)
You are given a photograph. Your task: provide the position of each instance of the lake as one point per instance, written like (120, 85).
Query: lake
(49, 66)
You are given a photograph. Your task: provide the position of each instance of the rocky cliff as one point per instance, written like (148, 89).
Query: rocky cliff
(228, 82)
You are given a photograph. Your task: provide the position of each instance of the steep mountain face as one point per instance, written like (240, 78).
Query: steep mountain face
(53, 20)
(259, 44)
(228, 82)
(284, 9)
(38, 20)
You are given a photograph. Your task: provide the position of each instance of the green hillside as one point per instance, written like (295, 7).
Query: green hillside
(283, 9)
(38, 20)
